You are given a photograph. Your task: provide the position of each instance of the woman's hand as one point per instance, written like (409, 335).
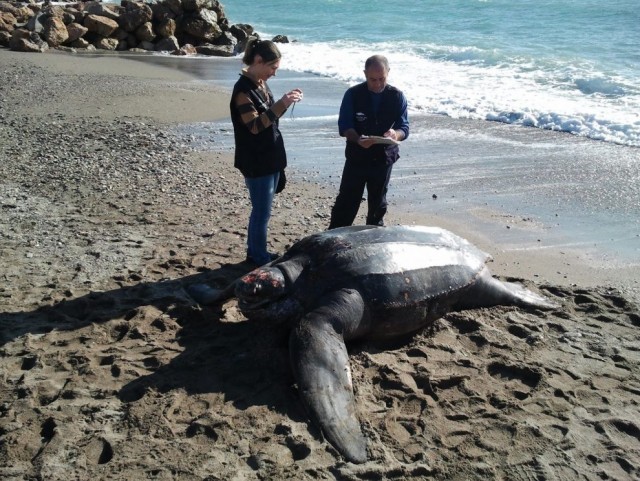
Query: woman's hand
(292, 97)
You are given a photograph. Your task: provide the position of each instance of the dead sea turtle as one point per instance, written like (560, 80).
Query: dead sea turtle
(362, 282)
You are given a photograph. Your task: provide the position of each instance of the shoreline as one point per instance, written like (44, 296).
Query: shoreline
(109, 212)
(521, 254)
(522, 246)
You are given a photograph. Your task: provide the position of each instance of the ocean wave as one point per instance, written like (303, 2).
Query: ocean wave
(600, 85)
(584, 126)
(486, 85)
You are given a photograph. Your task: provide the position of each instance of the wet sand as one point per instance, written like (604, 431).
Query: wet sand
(110, 370)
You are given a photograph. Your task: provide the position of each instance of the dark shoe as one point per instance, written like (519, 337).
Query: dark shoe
(272, 257)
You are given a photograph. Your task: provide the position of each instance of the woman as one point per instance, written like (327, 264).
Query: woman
(260, 153)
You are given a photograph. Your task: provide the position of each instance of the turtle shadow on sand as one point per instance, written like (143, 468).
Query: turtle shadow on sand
(152, 337)
(247, 362)
(99, 307)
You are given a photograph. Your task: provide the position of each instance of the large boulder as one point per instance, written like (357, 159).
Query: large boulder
(50, 10)
(7, 22)
(145, 32)
(5, 38)
(168, 44)
(68, 17)
(102, 26)
(186, 49)
(226, 39)
(55, 32)
(175, 6)
(8, 7)
(195, 5)
(22, 40)
(21, 13)
(107, 44)
(202, 24)
(148, 46)
(75, 15)
(80, 43)
(216, 50)
(101, 9)
(166, 28)
(242, 32)
(134, 15)
(75, 31)
(131, 41)
(121, 34)
(162, 11)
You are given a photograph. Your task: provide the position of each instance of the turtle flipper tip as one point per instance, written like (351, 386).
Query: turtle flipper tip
(356, 450)
(204, 294)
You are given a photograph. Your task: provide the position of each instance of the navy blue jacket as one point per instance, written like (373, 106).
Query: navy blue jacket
(362, 115)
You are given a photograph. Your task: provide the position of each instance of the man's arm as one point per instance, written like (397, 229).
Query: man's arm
(345, 118)
(345, 123)
(401, 125)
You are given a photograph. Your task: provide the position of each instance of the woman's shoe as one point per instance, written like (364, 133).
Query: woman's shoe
(272, 257)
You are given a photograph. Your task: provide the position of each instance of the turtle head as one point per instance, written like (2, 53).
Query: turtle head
(259, 291)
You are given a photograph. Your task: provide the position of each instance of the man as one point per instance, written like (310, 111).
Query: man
(370, 109)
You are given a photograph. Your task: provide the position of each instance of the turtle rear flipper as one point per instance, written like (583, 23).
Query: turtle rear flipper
(321, 366)
(488, 291)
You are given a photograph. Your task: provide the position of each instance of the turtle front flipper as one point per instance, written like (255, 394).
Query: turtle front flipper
(321, 366)
(205, 295)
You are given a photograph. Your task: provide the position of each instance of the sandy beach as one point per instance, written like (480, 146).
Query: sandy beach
(110, 370)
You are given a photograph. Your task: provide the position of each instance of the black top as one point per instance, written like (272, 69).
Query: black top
(262, 153)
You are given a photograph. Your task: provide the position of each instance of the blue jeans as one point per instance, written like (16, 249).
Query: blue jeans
(261, 191)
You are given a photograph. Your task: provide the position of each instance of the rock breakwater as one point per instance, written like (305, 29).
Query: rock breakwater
(176, 26)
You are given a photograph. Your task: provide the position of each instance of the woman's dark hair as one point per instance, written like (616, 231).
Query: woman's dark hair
(265, 48)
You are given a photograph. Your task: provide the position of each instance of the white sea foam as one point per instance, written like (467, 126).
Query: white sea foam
(511, 92)
(569, 66)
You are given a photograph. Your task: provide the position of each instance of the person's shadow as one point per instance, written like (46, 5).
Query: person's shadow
(246, 361)
(99, 307)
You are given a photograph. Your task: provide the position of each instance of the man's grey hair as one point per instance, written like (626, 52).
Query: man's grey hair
(377, 61)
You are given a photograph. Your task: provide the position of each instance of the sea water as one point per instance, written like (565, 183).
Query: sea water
(570, 65)
(526, 110)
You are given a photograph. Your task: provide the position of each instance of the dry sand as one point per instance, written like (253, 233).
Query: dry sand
(110, 371)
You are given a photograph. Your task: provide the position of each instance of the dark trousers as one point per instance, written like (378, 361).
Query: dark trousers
(355, 177)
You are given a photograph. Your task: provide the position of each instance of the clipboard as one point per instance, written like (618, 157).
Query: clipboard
(381, 140)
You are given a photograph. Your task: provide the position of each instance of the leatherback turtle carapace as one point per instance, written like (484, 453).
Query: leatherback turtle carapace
(362, 282)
